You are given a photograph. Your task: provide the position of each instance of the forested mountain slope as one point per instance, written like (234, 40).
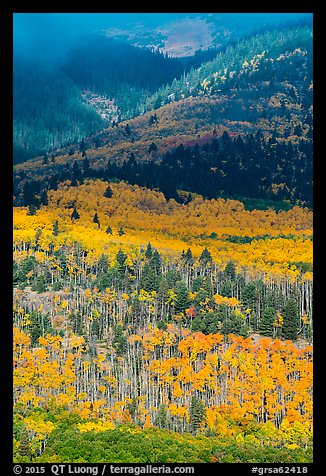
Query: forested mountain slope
(264, 77)
(269, 94)
(212, 166)
(277, 55)
(49, 110)
(162, 265)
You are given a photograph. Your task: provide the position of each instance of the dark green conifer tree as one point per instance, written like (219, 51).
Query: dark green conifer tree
(36, 330)
(76, 172)
(249, 295)
(149, 280)
(227, 289)
(161, 417)
(155, 262)
(205, 257)
(39, 285)
(127, 130)
(188, 257)
(133, 409)
(44, 197)
(182, 297)
(121, 258)
(152, 147)
(158, 102)
(291, 320)
(31, 209)
(86, 168)
(96, 220)
(24, 448)
(234, 325)
(266, 324)
(197, 414)
(149, 251)
(230, 270)
(119, 340)
(55, 229)
(108, 192)
(82, 145)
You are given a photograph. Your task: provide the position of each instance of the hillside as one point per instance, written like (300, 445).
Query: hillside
(163, 239)
(269, 93)
(167, 150)
(135, 80)
(107, 274)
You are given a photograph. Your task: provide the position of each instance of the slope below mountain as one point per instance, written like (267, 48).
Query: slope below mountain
(273, 64)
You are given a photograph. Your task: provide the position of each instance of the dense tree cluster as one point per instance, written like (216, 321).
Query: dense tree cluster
(193, 292)
(262, 61)
(48, 111)
(278, 171)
